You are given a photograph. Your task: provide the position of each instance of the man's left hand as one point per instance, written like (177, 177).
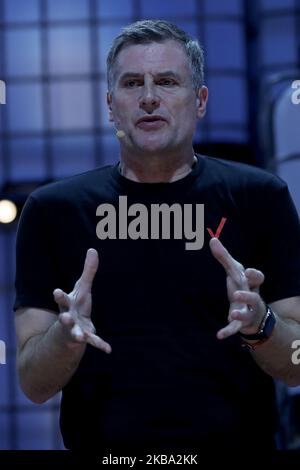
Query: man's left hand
(247, 308)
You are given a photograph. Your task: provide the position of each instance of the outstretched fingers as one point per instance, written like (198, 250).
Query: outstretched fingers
(231, 329)
(98, 342)
(246, 305)
(77, 333)
(75, 308)
(233, 268)
(62, 299)
(255, 278)
(66, 319)
(89, 270)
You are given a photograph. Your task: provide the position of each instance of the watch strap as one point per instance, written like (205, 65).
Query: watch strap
(265, 328)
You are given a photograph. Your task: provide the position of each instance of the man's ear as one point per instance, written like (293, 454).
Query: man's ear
(109, 104)
(202, 97)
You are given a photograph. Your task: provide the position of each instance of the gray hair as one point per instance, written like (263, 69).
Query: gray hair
(146, 31)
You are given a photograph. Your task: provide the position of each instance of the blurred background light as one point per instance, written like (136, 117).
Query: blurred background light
(8, 211)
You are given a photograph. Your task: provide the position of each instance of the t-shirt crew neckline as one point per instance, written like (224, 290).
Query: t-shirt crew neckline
(173, 185)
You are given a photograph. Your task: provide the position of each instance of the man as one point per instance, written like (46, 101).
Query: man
(173, 307)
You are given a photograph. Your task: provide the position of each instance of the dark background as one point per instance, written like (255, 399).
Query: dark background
(55, 124)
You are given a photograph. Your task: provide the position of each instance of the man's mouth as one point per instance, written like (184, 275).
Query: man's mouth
(149, 123)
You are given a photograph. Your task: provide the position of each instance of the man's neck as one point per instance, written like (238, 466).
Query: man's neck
(156, 170)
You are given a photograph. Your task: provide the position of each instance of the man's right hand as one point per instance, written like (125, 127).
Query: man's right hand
(75, 307)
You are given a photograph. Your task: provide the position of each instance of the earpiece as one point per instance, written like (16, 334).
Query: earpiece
(120, 134)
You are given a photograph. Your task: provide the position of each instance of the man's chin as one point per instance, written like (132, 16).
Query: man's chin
(152, 147)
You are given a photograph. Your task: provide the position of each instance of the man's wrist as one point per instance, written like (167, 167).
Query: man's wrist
(258, 321)
(264, 331)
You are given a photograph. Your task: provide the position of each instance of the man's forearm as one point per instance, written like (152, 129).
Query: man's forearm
(47, 362)
(275, 355)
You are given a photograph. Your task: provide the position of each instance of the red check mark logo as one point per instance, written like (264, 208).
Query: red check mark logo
(219, 229)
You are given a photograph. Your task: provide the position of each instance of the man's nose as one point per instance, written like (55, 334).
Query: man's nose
(149, 101)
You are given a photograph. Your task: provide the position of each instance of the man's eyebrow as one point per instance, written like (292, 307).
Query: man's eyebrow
(126, 75)
(167, 73)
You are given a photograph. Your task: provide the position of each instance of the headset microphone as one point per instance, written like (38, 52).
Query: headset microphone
(120, 134)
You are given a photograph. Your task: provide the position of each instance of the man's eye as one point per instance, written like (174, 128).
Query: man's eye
(132, 83)
(166, 82)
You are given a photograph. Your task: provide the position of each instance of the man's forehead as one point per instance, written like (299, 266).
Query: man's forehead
(150, 57)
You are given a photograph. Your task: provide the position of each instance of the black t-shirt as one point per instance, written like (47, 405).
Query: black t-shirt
(169, 380)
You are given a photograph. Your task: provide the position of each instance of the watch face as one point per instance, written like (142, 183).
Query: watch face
(269, 325)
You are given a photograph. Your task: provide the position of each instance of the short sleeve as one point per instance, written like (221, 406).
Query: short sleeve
(36, 267)
(280, 243)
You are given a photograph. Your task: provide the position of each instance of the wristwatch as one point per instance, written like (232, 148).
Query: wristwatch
(265, 328)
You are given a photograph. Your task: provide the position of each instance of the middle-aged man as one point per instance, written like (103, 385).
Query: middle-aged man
(176, 307)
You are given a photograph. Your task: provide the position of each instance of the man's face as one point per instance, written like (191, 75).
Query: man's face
(153, 100)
